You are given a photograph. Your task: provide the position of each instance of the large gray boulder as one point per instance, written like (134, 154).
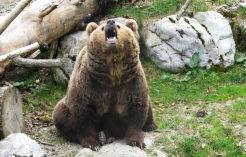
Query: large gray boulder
(171, 43)
(20, 144)
(69, 47)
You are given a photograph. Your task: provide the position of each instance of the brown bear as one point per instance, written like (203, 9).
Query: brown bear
(107, 91)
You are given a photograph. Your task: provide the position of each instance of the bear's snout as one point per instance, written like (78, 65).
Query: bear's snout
(111, 32)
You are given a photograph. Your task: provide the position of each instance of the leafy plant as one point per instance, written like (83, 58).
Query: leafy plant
(193, 65)
(194, 60)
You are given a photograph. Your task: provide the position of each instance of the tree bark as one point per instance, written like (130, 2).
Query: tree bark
(11, 112)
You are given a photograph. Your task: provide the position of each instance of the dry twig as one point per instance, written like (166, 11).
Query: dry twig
(183, 9)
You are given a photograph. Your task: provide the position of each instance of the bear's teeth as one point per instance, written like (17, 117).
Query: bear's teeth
(111, 40)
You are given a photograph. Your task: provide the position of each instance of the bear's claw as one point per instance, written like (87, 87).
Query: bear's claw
(103, 140)
(141, 145)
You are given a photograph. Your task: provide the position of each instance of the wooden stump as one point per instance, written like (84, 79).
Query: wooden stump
(11, 112)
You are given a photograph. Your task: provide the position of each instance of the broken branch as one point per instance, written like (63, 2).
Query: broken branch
(21, 51)
(36, 63)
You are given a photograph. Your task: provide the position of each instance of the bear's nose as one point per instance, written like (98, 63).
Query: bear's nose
(110, 22)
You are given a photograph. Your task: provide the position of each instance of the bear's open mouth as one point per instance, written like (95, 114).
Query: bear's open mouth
(111, 36)
(111, 33)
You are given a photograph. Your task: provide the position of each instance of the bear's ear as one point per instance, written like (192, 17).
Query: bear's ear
(132, 24)
(90, 28)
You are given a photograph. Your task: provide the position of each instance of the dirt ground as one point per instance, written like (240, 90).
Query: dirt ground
(6, 6)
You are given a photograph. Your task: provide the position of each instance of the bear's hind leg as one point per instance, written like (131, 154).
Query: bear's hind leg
(62, 123)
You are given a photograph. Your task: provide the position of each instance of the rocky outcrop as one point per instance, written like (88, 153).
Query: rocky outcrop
(171, 43)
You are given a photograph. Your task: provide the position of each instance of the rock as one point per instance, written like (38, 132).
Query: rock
(120, 149)
(243, 4)
(20, 145)
(69, 47)
(171, 43)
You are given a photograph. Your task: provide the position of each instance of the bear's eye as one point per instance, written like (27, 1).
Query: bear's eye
(118, 26)
(102, 28)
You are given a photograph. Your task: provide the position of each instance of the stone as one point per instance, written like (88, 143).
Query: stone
(69, 48)
(20, 144)
(171, 43)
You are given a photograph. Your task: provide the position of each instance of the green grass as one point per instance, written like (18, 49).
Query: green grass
(208, 86)
(40, 92)
(176, 104)
(143, 11)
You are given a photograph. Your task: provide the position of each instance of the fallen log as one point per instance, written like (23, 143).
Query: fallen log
(45, 21)
(11, 112)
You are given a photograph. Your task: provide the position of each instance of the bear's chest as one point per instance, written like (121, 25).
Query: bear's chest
(113, 99)
(115, 70)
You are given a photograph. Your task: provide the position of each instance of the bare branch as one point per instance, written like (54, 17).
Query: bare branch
(13, 14)
(21, 51)
(36, 63)
(182, 10)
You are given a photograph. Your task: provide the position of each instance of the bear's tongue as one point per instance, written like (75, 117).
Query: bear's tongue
(111, 40)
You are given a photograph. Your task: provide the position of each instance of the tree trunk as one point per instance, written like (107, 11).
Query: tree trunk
(11, 112)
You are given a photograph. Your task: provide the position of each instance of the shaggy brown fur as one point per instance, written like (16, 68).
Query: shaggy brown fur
(107, 91)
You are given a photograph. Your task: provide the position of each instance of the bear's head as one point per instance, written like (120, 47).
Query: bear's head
(112, 38)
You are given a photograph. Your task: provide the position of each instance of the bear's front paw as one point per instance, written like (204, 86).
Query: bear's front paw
(91, 143)
(150, 127)
(139, 144)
